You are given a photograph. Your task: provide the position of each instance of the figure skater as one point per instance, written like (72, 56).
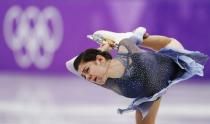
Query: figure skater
(144, 75)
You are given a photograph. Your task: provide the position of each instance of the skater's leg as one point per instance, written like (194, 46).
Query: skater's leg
(139, 117)
(150, 118)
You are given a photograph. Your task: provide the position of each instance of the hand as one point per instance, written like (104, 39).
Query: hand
(107, 46)
(111, 43)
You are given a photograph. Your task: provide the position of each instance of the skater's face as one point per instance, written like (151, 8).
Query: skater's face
(94, 71)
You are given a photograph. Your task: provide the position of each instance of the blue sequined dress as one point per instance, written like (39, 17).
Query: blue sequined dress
(150, 74)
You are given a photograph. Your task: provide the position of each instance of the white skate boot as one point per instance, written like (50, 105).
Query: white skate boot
(139, 33)
(103, 35)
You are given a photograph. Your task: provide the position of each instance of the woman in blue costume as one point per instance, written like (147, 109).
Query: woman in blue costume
(144, 75)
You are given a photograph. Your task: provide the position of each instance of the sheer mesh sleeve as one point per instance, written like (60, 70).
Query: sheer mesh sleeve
(130, 45)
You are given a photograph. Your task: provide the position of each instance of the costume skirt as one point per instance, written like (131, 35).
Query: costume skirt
(191, 61)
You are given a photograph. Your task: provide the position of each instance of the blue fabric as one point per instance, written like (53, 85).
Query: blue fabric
(152, 73)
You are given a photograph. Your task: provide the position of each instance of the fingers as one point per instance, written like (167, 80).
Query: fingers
(105, 47)
(108, 44)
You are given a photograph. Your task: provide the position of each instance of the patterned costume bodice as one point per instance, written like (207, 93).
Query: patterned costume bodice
(148, 73)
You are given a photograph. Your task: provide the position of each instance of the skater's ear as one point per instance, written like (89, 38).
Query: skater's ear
(100, 59)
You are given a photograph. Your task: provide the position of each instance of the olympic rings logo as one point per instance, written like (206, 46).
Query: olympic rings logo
(33, 35)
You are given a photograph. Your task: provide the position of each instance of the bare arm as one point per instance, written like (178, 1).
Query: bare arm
(156, 42)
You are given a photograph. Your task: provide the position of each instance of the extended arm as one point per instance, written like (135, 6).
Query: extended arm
(156, 42)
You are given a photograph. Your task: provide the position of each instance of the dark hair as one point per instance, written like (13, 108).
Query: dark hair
(90, 55)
